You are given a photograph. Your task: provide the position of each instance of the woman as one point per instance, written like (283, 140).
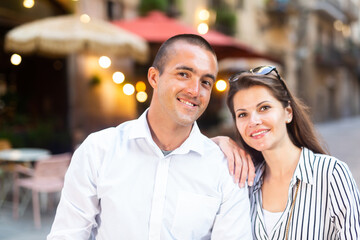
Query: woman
(298, 192)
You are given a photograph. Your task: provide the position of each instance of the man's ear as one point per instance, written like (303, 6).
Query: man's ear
(153, 77)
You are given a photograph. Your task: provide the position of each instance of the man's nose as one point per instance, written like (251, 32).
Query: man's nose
(193, 87)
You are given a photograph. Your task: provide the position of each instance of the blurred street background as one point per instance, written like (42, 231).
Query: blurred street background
(72, 67)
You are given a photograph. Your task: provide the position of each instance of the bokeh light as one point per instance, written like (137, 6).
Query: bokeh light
(141, 96)
(128, 89)
(202, 28)
(15, 59)
(84, 18)
(204, 15)
(338, 25)
(220, 85)
(118, 77)
(28, 3)
(104, 62)
(140, 86)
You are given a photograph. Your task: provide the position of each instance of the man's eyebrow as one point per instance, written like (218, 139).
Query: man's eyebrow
(193, 70)
(210, 76)
(185, 68)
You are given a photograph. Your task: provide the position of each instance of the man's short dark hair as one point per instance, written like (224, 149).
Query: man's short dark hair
(162, 54)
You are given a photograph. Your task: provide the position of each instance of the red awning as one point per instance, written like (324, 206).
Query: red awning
(156, 27)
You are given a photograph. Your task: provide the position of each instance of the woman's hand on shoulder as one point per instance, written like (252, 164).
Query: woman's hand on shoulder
(239, 161)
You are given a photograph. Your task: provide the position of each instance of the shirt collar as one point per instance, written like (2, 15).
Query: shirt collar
(305, 169)
(303, 172)
(259, 172)
(192, 143)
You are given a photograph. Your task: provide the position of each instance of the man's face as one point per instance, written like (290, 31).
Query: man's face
(183, 89)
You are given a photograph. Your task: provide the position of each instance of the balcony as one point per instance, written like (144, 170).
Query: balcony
(351, 55)
(328, 56)
(278, 11)
(345, 11)
(279, 6)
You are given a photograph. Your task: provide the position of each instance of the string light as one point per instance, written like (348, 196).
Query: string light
(203, 28)
(118, 77)
(204, 15)
(84, 18)
(104, 62)
(28, 3)
(141, 96)
(220, 85)
(128, 89)
(15, 59)
(140, 86)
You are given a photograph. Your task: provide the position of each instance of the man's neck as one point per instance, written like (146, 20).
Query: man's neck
(166, 134)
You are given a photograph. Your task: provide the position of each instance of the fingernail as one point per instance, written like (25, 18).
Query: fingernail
(242, 185)
(250, 183)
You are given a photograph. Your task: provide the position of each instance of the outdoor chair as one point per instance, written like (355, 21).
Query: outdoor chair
(4, 144)
(47, 176)
(6, 169)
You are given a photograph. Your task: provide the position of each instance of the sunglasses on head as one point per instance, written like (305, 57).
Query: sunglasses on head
(262, 70)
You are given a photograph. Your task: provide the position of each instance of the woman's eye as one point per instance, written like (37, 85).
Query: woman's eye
(241, 115)
(263, 108)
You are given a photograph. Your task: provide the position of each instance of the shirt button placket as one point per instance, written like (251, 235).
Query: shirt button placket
(158, 201)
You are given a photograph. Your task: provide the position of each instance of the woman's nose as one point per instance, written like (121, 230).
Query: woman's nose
(255, 119)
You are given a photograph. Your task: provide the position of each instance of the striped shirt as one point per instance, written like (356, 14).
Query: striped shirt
(327, 205)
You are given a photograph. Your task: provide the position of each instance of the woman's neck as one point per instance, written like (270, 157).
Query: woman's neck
(281, 162)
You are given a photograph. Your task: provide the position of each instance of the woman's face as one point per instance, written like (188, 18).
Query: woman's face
(261, 119)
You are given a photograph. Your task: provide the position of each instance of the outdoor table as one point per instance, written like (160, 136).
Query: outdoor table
(19, 156)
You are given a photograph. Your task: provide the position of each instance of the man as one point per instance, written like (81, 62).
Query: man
(157, 177)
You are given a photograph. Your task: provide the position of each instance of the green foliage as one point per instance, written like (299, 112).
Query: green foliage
(225, 20)
(43, 134)
(94, 81)
(24, 131)
(149, 5)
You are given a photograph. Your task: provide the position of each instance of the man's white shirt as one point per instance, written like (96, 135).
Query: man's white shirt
(121, 186)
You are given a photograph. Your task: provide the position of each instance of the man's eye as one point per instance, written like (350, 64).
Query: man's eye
(208, 83)
(183, 74)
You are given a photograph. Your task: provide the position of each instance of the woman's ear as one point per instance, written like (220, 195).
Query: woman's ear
(289, 113)
(153, 77)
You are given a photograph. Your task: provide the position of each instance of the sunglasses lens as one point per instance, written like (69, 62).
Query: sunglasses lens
(263, 70)
(234, 77)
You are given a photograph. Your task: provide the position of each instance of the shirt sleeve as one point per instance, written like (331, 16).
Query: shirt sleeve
(79, 204)
(345, 202)
(233, 219)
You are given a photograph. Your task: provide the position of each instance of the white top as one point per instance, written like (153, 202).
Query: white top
(121, 186)
(327, 205)
(270, 219)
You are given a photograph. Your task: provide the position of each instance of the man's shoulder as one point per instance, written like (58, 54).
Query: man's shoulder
(108, 135)
(211, 148)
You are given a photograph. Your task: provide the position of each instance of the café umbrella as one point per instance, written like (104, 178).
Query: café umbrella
(67, 34)
(156, 28)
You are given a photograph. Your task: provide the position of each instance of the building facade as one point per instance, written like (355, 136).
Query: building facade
(316, 41)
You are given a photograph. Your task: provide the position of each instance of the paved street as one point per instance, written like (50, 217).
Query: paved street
(343, 140)
(342, 137)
